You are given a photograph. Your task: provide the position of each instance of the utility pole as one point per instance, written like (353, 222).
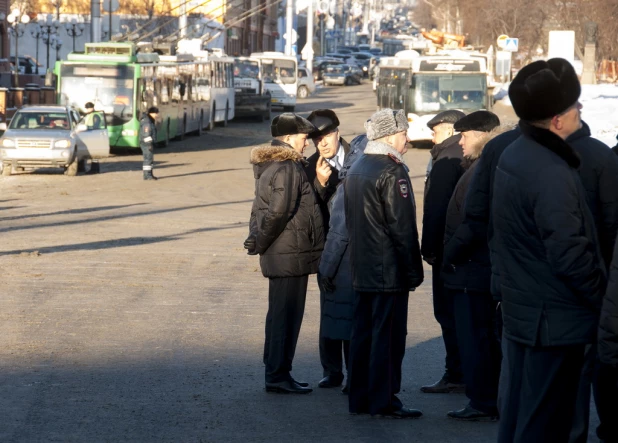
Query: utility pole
(95, 24)
(310, 34)
(182, 19)
(289, 19)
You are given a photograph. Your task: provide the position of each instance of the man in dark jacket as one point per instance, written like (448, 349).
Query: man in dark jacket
(466, 276)
(445, 171)
(323, 169)
(335, 278)
(386, 264)
(606, 387)
(552, 276)
(286, 231)
(599, 175)
(147, 140)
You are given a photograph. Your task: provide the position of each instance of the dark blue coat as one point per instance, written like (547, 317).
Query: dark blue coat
(552, 276)
(608, 326)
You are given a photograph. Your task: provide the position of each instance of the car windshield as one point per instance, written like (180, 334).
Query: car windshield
(246, 68)
(109, 87)
(440, 92)
(279, 71)
(40, 120)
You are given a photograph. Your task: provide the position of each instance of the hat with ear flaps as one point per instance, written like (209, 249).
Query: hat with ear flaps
(289, 123)
(386, 122)
(544, 89)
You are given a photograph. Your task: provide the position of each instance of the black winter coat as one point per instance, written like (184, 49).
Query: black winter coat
(599, 174)
(324, 193)
(608, 325)
(445, 172)
(552, 276)
(477, 218)
(285, 218)
(147, 132)
(466, 258)
(381, 219)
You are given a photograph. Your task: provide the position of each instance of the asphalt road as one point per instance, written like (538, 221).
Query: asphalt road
(130, 311)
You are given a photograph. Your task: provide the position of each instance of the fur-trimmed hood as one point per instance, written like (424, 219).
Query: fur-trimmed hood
(482, 141)
(274, 152)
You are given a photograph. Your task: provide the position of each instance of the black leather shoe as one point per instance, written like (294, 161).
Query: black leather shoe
(444, 386)
(301, 383)
(287, 387)
(331, 381)
(402, 413)
(470, 414)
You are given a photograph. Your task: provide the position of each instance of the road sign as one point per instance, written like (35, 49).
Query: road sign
(294, 36)
(501, 41)
(307, 52)
(113, 3)
(511, 44)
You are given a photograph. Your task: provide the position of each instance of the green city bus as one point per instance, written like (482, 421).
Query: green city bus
(192, 92)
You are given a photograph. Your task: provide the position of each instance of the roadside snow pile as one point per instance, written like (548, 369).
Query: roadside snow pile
(600, 109)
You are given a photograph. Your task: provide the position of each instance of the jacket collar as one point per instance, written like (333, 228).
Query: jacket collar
(453, 140)
(551, 141)
(382, 148)
(582, 132)
(277, 151)
(345, 144)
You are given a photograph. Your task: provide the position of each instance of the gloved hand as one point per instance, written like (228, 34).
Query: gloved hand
(326, 283)
(250, 245)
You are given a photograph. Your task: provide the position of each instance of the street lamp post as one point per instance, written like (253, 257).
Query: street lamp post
(48, 30)
(57, 44)
(37, 34)
(74, 29)
(17, 27)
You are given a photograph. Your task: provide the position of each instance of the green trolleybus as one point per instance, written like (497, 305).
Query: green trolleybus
(192, 92)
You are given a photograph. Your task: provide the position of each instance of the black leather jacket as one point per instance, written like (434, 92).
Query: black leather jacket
(381, 221)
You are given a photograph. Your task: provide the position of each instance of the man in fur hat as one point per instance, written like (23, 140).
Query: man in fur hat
(286, 230)
(386, 263)
(466, 276)
(551, 271)
(323, 170)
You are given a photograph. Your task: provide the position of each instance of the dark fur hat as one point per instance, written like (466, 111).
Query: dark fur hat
(451, 116)
(289, 123)
(544, 89)
(325, 120)
(483, 121)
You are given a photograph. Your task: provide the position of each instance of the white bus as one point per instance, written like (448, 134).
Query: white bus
(278, 72)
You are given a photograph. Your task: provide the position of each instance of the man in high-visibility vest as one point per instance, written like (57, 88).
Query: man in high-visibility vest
(92, 119)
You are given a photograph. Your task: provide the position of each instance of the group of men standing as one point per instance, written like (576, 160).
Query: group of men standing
(519, 227)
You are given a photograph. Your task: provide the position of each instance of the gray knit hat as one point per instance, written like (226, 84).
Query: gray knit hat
(386, 122)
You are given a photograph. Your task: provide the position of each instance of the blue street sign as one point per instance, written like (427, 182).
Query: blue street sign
(511, 44)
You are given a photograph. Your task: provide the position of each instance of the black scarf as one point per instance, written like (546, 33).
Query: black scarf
(552, 142)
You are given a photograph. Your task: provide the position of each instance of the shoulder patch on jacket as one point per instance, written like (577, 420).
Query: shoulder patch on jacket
(395, 159)
(404, 189)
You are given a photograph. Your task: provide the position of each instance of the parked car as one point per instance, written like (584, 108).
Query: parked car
(363, 61)
(27, 65)
(320, 66)
(52, 136)
(305, 83)
(342, 75)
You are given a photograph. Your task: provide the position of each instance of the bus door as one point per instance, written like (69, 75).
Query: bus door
(401, 90)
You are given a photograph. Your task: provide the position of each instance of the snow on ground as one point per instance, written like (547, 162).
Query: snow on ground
(600, 109)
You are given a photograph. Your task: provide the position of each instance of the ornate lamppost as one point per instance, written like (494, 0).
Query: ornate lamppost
(49, 28)
(17, 27)
(56, 44)
(37, 34)
(74, 29)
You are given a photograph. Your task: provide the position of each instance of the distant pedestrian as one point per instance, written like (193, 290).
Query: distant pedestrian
(147, 140)
(466, 276)
(335, 282)
(443, 174)
(286, 231)
(386, 264)
(324, 170)
(551, 272)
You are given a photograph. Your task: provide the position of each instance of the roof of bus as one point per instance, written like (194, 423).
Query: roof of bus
(273, 54)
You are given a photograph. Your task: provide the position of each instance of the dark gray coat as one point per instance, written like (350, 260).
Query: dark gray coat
(608, 326)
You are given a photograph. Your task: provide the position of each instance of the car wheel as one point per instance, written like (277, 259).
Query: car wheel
(7, 169)
(71, 170)
(303, 92)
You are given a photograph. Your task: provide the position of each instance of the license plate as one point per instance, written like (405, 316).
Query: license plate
(273, 100)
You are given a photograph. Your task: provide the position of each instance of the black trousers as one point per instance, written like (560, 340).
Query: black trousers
(539, 402)
(148, 155)
(377, 348)
(606, 400)
(479, 348)
(333, 353)
(581, 419)
(445, 315)
(286, 306)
